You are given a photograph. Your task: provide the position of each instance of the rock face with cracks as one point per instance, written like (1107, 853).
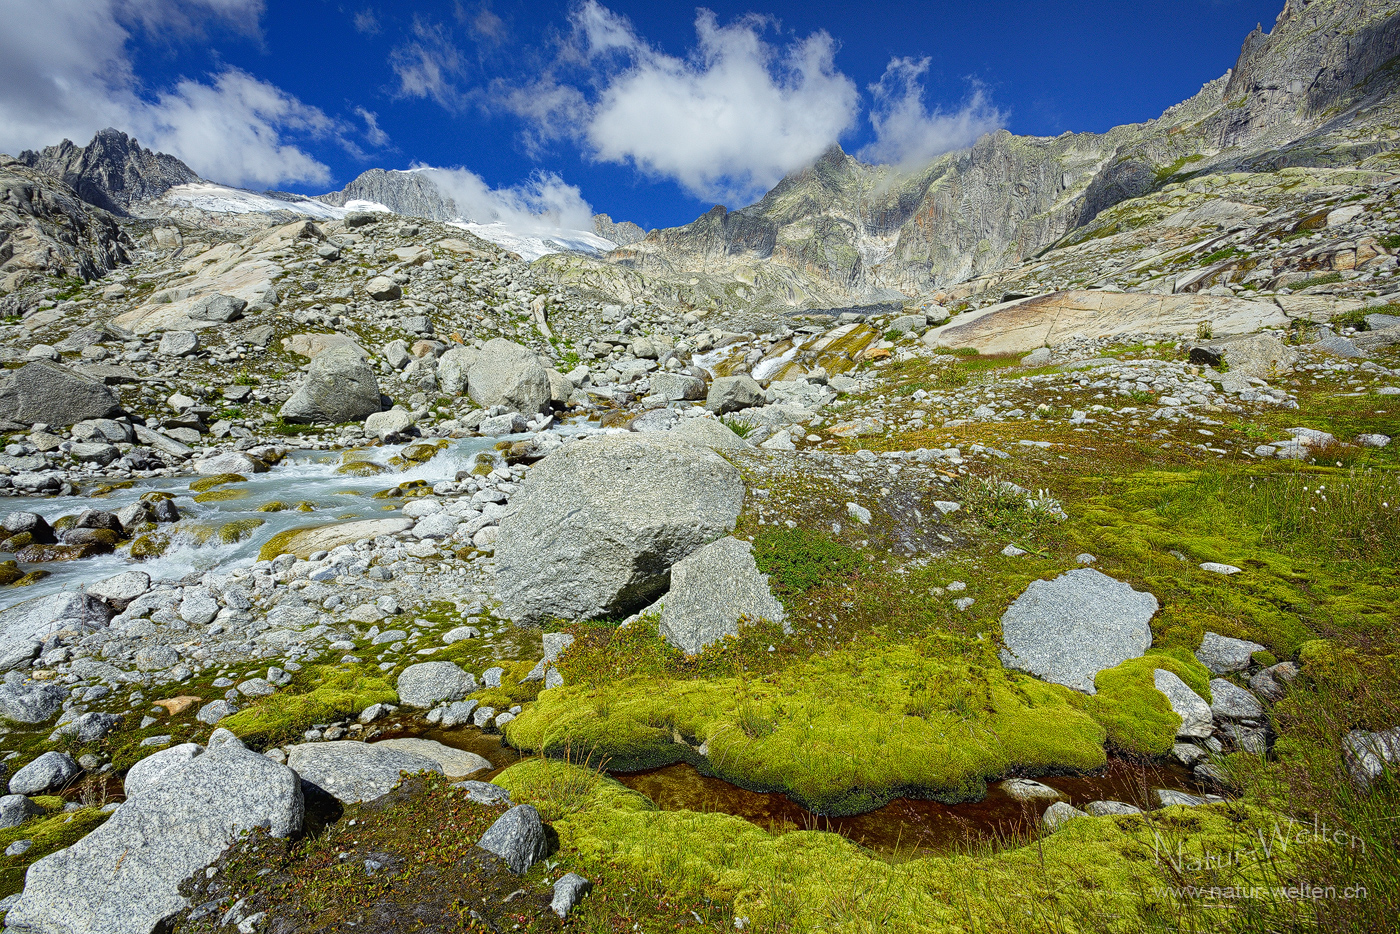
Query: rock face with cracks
(1069, 629)
(124, 877)
(600, 523)
(711, 591)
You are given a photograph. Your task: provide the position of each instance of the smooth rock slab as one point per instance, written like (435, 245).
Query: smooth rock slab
(711, 590)
(455, 763)
(1195, 713)
(427, 684)
(1107, 808)
(124, 877)
(517, 837)
(1069, 629)
(24, 626)
(1024, 789)
(352, 771)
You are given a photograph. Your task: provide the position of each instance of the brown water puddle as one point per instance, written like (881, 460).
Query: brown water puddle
(908, 824)
(903, 825)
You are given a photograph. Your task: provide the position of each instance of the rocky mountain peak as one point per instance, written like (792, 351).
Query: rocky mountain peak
(113, 172)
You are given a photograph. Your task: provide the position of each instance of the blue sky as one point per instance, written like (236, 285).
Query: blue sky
(648, 111)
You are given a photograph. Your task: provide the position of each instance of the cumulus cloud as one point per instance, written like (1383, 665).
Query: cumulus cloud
(907, 133)
(542, 203)
(428, 64)
(727, 121)
(66, 73)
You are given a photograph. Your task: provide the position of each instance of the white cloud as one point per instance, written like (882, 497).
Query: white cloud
(726, 122)
(373, 133)
(543, 203)
(65, 72)
(428, 63)
(907, 133)
(366, 22)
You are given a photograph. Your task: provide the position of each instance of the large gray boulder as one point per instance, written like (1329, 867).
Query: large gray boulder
(453, 369)
(339, 387)
(711, 589)
(429, 683)
(352, 771)
(454, 763)
(708, 432)
(1069, 629)
(50, 772)
(150, 771)
(125, 876)
(599, 523)
(517, 837)
(46, 392)
(732, 393)
(25, 626)
(1195, 714)
(677, 387)
(25, 701)
(505, 373)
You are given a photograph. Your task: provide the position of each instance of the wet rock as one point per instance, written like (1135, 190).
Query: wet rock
(427, 684)
(339, 387)
(1024, 789)
(353, 771)
(1223, 655)
(1069, 629)
(517, 837)
(124, 877)
(1195, 713)
(52, 771)
(454, 763)
(229, 462)
(599, 523)
(711, 589)
(32, 523)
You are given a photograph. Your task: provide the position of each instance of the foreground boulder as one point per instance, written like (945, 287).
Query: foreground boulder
(339, 387)
(45, 392)
(352, 771)
(505, 373)
(125, 876)
(711, 590)
(1069, 629)
(599, 524)
(24, 626)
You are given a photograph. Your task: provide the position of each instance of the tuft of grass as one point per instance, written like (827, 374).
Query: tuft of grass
(737, 425)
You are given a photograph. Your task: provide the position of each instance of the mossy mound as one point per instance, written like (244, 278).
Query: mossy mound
(840, 733)
(33, 577)
(239, 529)
(223, 479)
(360, 469)
(16, 542)
(1137, 716)
(275, 506)
(318, 694)
(9, 573)
(104, 489)
(49, 833)
(157, 496)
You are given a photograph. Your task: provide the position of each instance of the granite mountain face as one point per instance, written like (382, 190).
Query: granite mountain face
(113, 172)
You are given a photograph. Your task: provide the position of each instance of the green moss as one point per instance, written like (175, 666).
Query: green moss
(219, 496)
(511, 691)
(208, 483)
(149, 546)
(49, 833)
(1090, 870)
(358, 468)
(280, 543)
(275, 506)
(238, 529)
(837, 743)
(798, 560)
(9, 573)
(1136, 716)
(317, 694)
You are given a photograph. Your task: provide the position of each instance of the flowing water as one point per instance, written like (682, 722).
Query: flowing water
(303, 476)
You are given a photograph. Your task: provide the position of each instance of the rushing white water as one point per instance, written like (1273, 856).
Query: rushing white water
(302, 477)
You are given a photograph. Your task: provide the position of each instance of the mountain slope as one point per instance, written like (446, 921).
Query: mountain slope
(1318, 90)
(113, 171)
(409, 193)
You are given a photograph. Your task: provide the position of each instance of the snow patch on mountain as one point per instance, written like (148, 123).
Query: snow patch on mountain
(531, 244)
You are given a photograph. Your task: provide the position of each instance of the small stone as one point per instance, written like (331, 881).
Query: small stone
(1059, 814)
(517, 837)
(1223, 655)
(214, 711)
(1109, 808)
(1230, 702)
(1217, 568)
(568, 892)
